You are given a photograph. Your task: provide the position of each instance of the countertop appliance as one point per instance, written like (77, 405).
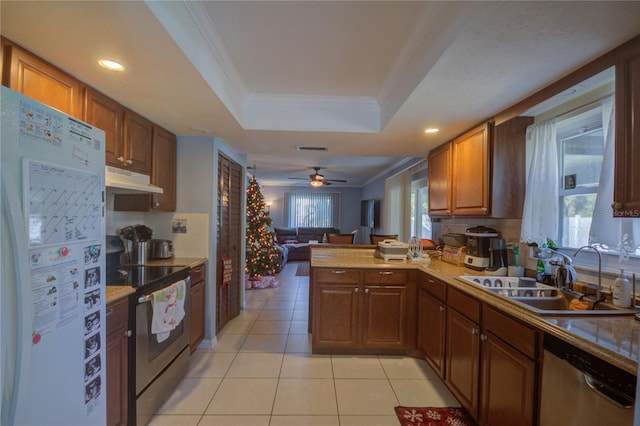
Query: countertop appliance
(478, 243)
(160, 249)
(159, 364)
(579, 389)
(454, 250)
(392, 250)
(52, 266)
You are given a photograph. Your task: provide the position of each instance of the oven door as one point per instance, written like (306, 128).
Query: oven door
(152, 356)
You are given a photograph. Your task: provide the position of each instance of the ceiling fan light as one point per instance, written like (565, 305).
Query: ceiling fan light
(315, 183)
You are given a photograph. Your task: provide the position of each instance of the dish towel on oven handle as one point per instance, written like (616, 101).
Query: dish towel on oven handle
(168, 309)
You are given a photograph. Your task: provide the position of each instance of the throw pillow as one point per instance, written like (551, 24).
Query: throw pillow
(290, 241)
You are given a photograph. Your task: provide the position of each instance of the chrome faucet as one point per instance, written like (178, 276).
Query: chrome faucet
(599, 289)
(565, 275)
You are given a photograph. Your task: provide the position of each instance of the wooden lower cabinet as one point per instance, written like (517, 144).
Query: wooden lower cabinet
(197, 306)
(117, 352)
(361, 311)
(432, 321)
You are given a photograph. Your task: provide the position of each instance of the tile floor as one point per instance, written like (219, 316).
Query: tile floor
(261, 373)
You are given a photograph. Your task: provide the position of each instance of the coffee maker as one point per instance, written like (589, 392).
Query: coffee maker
(478, 244)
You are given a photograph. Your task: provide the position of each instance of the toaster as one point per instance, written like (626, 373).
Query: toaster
(160, 249)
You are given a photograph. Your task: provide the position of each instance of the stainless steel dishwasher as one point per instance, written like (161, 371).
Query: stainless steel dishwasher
(583, 390)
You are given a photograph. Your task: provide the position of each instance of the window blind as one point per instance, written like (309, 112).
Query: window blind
(312, 209)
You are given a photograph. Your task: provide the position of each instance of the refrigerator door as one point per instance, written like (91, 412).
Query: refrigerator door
(52, 293)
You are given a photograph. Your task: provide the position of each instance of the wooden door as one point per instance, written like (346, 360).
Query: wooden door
(163, 170)
(471, 172)
(336, 315)
(439, 180)
(384, 316)
(196, 315)
(508, 385)
(230, 220)
(463, 360)
(431, 330)
(138, 135)
(107, 115)
(117, 353)
(37, 79)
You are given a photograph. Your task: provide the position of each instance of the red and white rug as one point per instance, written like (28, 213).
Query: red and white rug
(433, 416)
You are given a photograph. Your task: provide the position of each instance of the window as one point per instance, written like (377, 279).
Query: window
(580, 157)
(312, 209)
(420, 220)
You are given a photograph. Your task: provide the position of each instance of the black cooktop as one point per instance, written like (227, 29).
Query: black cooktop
(138, 276)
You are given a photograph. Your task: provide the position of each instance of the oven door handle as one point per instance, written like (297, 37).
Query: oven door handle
(144, 299)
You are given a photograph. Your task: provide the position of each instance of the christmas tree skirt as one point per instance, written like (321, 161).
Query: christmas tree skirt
(261, 282)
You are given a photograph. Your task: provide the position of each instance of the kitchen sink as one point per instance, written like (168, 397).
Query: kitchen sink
(541, 299)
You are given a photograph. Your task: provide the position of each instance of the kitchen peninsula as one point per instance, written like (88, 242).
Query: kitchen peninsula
(488, 349)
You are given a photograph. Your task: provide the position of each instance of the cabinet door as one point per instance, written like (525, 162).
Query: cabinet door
(196, 315)
(163, 169)
(335, 315)
(439, 173)
(117, 352)
(108, 115)
(463, 359)
(431, 330)
(471, 172)
(138, 132)
(626, 196)
(508, 385)
(43, 82)
(384, 316)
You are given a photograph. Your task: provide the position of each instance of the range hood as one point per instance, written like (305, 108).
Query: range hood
(121, 181)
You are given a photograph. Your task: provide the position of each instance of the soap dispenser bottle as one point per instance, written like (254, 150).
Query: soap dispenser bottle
(622, 291)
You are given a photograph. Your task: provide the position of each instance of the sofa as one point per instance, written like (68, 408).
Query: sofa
(295, 241)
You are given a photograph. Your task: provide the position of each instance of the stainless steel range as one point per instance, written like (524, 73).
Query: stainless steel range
(160, 361)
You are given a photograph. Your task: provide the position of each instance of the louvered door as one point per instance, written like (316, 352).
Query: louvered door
(230, 217)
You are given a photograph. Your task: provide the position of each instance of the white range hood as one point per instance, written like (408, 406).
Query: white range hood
(121, 181)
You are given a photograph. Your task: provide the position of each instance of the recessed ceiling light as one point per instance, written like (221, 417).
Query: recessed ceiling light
(432, 130)
(200, 130)
(111, 65)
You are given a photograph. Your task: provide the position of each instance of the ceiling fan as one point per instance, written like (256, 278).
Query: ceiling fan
(317, 180)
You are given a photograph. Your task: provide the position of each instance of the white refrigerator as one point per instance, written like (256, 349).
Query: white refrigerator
(52, 298)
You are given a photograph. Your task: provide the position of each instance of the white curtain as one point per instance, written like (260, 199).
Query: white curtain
(541, 203)
(608, 232)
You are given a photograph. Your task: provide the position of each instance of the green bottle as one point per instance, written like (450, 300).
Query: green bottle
(540, 271)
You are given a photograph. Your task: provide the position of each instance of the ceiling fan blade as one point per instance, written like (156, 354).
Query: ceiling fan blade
(336, 180)
(298, 178)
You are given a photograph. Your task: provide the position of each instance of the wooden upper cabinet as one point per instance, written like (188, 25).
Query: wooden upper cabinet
(138, 135)
(108, 115)
(626, 194)
(163, 169)
(471, 172)
(37, 79)
(439, 180)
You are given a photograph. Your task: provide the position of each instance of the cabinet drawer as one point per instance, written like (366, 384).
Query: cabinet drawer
(516, 334)
(385, 277)
(198, 273)
(434, 287)
(341, 276)
(466, 305)
(117, 314)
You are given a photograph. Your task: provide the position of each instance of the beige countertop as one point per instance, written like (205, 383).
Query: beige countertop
(118, 292)
(615, 339)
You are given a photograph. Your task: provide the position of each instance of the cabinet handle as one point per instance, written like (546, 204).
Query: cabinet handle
(338, 272)
(483, 337)
(356, 290)
(484, 209)
(129, 162)
(197, 270)
(430, 281)
(121, 159)
(474, 330)
(156, 204)
(109, 311)
(128, 333)
(366, 291)
(616, 205)
(442, 308)
(385, 273)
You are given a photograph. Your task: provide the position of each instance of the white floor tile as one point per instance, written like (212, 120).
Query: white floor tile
(270, 327)
(274, 304)
(357, 367)
(248, 314)
(210, 364)
(300, 315)
(237, 326)
(305, 397)
(369, 420)
(244, 396)
(299, 343)
(308, 366)
(237, 420)
(365, 397)
(305, 421)
(398, 367)
(174, 420)
(229, 342)
(275, 315)
(191, 396)
(250, 364)
(264, 343)
(416, 393)
(299, 327)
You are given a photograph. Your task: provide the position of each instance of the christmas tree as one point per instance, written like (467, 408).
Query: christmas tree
(262, 254)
